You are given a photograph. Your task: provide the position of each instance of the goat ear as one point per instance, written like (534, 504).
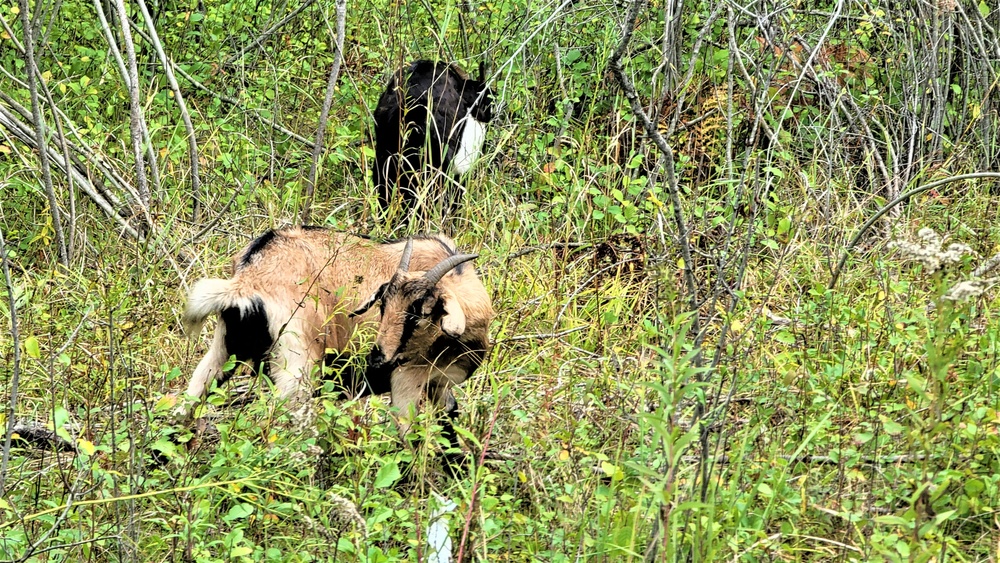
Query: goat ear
(373, 299)
(453, 320)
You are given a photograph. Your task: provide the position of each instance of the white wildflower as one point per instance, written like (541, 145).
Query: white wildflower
(344, 513)
(968, 289)
(928, 250)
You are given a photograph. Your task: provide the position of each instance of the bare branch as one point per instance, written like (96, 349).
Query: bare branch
(15, 369)
(666, 152)
(136, 121)
(324, 114)
(182, 106)
(39, 121)
(889, 206)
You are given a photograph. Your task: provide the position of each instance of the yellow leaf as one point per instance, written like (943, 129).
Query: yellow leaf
(86, 446)
(736, 326)
(4, 149)
(165, 402)
(522, 477)
(46, 76)
(31, 347)
(680, 263)
(612, 470)
(15, 10)
(564, 455)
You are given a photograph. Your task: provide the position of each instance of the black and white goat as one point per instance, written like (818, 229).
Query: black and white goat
(430, 124)
(298, 295)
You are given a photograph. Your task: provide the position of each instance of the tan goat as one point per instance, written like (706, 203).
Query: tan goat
(298, 295)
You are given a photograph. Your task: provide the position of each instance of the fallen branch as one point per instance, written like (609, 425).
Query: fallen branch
(37, 435)
(82, 176)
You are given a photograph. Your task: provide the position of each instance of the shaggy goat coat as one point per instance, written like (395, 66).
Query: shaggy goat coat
(297, 296)
(430, 124)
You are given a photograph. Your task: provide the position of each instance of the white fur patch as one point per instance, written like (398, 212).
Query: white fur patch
(207, 297)
(471, 145)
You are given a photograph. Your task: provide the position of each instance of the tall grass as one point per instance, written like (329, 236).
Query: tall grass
(781, 419)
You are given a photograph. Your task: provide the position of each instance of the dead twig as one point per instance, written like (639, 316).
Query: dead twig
(15, 369)
(324, 114)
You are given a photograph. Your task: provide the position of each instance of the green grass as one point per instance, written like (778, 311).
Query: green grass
(787, 421)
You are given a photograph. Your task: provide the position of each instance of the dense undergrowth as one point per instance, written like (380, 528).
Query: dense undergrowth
(777, 419)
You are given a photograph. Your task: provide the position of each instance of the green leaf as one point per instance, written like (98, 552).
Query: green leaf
(387, 475)
(165, 446)
(765, 490)
(241, 551)
(974, 487)
(612, 470)
(944, 516)
(59, 418)
(31, 347)
(784, 224)
(892, 520)
(239, 512)
(984, 9)
(891, 427)
(785, 337)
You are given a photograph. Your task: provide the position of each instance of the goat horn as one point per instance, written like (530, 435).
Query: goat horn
(435, 274)
(404, 261)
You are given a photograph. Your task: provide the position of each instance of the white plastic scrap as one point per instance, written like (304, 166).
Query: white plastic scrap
(438, 540)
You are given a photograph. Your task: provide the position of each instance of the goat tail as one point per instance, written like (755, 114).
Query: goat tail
(210, 296)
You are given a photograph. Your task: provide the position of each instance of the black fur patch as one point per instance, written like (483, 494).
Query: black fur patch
(414, 313)
(378, 372)
(256, 247)
(466, 354)
(247, 334)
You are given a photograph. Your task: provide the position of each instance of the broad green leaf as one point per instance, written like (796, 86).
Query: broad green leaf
(59, 418)
(387, 475)
(239, 512)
